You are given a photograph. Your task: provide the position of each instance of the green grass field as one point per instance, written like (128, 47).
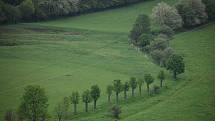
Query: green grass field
(74, 53)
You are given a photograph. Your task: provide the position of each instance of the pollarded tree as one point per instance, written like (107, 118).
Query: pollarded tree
(133, 84)
(140, 84)
(34, 104)
(117, 87)
(176, 64)
(109, 91)
(125, 89)
(149, 80)
(141, 25)
(86, 98)
(165, 15)
(161, 76)
(95, 94)
(75, 100)
(193, 12)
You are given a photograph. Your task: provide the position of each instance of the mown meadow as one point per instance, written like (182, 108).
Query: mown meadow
(71, 54)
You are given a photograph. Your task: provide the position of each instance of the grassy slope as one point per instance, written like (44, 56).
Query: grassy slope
(70, 59)
(116, 20)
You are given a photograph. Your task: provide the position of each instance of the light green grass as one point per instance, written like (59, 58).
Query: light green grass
(74, 53)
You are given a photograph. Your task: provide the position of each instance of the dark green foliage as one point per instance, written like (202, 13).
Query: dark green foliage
(13, 2)
(210, 8)
(125, 89)
(12, 13)
(95, 94)
(34, 104)
(27, 9)
(161, 77)
(109, 91)
(192, 12)
(75, 100)
(156, 89)
(164, 30)
(61, 109)
(116, 110)
(176, 64)
(133, 84)
(117, 87)
(144, 40)
(159, 43)
(149, 80)
(141, 25)
(86, 98)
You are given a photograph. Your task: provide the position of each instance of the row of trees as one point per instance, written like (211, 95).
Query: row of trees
(34, 10)
(34, 102)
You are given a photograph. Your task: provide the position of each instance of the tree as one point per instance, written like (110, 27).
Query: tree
(144, 40)
(140, 84)
(13, 2)
(125, 88)
(163, 30)
(116, 110)
(142, 25)
(165, 15)
(61, 109)
(109, 91)
(27, 9)
(86, 99)
(117, 87)
(161, 76)
(176, 64)
(133, 84)
(149, 80)
(210, 8)
(75, 100)
(192, 11)
(34, 104)
(10, 115)
(12, 13)
(95, 94)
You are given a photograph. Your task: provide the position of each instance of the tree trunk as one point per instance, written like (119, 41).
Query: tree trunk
(94, 104)
(86, 107)
(148, 88)
(161, 83)
(75, 108)
(125, 94)
(117, 97)
(140, 90)
(175, 75)
(132, 92)
(108, 98)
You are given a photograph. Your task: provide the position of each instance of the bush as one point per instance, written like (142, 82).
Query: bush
(144, 40)
(159, 43)
(210, 8)
(27, 9)
(12, 13)
(163, 30)
(2, 14)
(116, 110)
(142, 25)
(193, 12)
(165, 15)
(156, 89)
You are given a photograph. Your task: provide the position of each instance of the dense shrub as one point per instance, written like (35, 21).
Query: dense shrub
(193, 12)
(12, 13)
(27, 9)
(210, 8)
(165, 15)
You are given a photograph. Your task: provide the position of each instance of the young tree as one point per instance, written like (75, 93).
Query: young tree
(10, 115)
(210, 8)
(140, 84)
(165, 15)
(142, 25)
(133, 84)
(34, 104)
(75, 100)
(109, 91)
(125, 88)
(95, 94)
(161, 76)
(192, 11)
(149, 80)
(86, 99)
(117, 87)
(61, 109)
(176, 64)
(116, 110)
